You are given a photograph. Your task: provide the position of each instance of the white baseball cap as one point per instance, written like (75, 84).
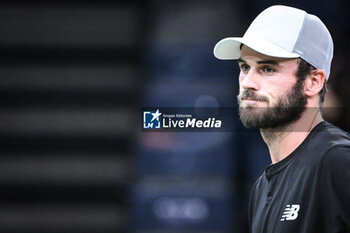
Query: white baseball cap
(283, 31)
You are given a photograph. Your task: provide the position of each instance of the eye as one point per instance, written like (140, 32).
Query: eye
(244, 67)
(268, 70)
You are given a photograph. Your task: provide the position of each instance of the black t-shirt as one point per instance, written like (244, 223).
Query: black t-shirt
(308, 191)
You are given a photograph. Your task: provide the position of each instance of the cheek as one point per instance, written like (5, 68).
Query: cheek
(240, 84)
(279, 84)
(273, 93)
(276, 94)
(240, 78)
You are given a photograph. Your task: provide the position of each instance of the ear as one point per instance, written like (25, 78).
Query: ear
(314, 82)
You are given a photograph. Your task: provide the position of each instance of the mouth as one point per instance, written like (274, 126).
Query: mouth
(252, 100)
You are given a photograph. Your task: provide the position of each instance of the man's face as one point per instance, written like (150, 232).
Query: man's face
(270, 95)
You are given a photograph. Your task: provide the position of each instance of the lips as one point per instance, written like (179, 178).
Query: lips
(250, 99)
(247, 99)
(251, 102)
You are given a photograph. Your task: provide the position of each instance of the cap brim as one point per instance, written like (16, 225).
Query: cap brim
(229, 48)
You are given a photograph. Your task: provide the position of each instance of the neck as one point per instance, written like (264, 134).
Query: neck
(282, 141)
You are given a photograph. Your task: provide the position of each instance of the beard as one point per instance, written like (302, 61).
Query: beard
(287, 110)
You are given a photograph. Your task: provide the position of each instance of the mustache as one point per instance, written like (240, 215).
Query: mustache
(249, 94)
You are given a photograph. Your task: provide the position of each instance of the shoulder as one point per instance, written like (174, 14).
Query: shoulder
(260, 182)
(324, 143)
(337, 161)
(331, 135)
(334, 179)
(335, 133)
(259, 187)
(256, 193)
(326, 140)
(337, 140)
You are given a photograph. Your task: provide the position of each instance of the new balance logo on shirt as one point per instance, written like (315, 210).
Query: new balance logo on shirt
(291, 212)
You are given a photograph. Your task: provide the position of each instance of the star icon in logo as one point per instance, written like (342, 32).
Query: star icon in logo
(156, 115)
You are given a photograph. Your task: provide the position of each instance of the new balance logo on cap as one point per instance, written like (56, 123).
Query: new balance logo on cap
(291, 212)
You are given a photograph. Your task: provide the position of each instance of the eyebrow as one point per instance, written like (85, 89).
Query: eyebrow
(270, 62)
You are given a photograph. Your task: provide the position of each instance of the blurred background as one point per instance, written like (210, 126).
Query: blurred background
(73, 78)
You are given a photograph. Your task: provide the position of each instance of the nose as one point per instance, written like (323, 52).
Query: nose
(249, 80)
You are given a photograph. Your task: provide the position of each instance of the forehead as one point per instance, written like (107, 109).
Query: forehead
(248, 54)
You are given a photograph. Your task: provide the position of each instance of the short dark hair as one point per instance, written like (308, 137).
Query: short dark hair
(304, 68)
